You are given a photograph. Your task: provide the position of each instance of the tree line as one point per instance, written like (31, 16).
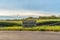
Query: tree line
(46, 17)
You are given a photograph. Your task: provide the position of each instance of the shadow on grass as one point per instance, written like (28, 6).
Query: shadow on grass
(6, 24)
(49, 23)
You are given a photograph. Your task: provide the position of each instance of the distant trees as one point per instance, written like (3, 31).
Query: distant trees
(53, 17)
(40, 17)
(48, 17)
(30, 18)
(45, 17)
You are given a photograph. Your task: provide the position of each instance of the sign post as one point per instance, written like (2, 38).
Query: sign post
(29, 23)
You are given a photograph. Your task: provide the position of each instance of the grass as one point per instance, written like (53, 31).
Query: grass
(48, 28)
(44, 20)
(37, 28)
(13, 28)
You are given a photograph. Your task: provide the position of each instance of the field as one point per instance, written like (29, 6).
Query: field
(42, 25)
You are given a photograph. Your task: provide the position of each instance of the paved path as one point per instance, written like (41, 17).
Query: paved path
(29, 35)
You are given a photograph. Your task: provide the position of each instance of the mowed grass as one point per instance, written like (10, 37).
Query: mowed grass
(37, 28)
(45, 20)
(48, 28)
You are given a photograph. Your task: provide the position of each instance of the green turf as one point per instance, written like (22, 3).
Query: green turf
(37, 28)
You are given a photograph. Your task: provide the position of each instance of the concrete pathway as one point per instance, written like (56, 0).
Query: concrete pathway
(29, 35)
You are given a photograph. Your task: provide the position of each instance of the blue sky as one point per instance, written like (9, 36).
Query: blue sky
(37, 5)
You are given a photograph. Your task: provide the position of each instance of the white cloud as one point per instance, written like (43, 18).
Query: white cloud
(24, 13)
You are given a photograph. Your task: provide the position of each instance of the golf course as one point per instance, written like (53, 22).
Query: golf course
(41, 25)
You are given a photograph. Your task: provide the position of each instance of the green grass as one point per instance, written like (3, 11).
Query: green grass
(37, 28)
(48, 28)
(44, 20)
(10, 28)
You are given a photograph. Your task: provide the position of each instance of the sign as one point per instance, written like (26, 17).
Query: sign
(29, 23)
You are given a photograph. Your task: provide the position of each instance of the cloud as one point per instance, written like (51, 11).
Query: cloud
(24, 13)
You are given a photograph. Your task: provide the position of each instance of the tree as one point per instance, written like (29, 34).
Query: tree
(30, 18)
(53, 17)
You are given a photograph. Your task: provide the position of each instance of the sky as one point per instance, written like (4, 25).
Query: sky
(29, 7)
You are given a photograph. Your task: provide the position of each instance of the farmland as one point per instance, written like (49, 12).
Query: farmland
(42, 25)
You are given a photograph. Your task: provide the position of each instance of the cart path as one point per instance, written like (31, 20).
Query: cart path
(29, 35)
